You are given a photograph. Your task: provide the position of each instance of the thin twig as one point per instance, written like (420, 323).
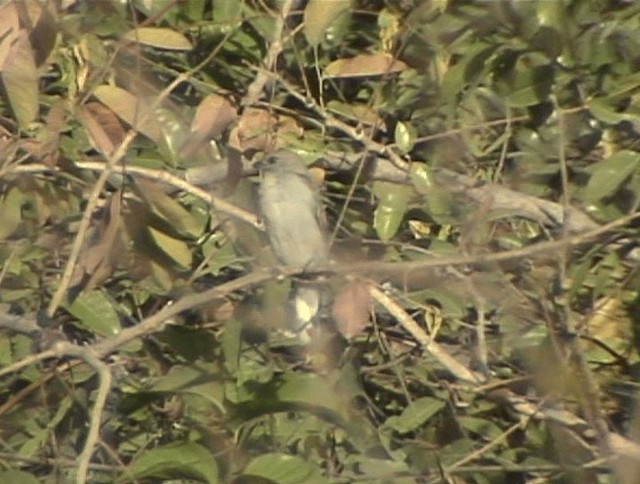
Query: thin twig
(155, 322)
(256, 87)
(161, 176)
(87, 355)
(546, 248)
(28, 361)
(428, 344)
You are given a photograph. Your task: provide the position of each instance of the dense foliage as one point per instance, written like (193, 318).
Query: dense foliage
(480, 166)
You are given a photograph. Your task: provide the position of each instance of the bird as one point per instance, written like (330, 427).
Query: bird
(291, 208)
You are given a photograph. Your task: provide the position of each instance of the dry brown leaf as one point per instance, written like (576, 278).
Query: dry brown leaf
(253, 129)
(98, 258)
(135, 111)
(21, 79)
(352, 308)
(213, 115)
(49, 148)
(365, 65)
(41, 23)
(9, 19)
(260, 130)
(103, 127)
(611, 325)
(9, 27)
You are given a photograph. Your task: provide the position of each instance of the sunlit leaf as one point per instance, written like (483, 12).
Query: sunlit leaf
(439, 200)
(365, 65)
(610, 324)
(318, 17)
(405, 136)
(95, 311)
(176, 249)
(159, 37)
(9, 22)
(393, 201)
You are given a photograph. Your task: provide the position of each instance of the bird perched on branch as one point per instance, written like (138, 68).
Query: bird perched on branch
(291, 208)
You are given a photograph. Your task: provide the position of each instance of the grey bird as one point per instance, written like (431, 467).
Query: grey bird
(291, 208)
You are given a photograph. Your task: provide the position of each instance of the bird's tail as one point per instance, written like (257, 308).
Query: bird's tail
(306, 300)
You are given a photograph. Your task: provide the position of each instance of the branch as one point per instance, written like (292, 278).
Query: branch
(428, 344)
(255, 88)
(161, 176)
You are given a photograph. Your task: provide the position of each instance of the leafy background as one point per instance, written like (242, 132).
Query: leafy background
(480, 165)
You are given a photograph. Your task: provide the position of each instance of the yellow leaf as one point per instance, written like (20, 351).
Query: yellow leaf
(159, 37)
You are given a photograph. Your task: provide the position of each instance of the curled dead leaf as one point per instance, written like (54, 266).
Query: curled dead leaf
(103, 127)
(260, 130)
(213, 115)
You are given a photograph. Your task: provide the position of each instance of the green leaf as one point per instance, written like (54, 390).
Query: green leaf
(283, 469)
(18, 477)
(172, 211)
(231, 343)
(195, 380)
(605, 112)
(177, 249)
(480, 426)
(226, 16)
(162, 277)
(527, 82)
(405, 136)
(531, 87)
(415, 415)
(95, 312)
(319, 16)
(43, 434)
(472, 67)
(179, 460)
(439, 201)
(608, 175)
(393, 200)
(11, 210)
